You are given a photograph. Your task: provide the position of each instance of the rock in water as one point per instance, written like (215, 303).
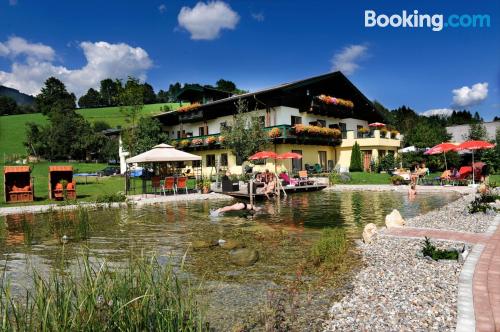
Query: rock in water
(369, 233)
(230, 244)
(204, 244)
(244, 256)
(394, 219)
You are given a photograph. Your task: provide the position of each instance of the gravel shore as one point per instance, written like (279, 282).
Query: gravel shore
(455, 216)
(399, 290)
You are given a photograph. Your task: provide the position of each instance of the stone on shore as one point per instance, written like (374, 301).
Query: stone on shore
(244, 256)
(394, 219)
(230, 244)
(204, 244)
(369, 232)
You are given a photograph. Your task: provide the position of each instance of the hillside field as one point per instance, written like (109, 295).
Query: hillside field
(12, 127)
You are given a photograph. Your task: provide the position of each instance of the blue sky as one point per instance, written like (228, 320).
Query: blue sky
(256, 44)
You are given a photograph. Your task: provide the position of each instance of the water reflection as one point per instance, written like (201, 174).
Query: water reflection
(282, 235)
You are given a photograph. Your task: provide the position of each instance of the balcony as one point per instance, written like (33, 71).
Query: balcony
(283, 134)
(375, 138)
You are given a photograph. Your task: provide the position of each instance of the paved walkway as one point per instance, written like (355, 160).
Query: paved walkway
(485, 292)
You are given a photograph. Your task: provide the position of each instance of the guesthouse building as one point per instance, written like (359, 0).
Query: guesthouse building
(319, 117)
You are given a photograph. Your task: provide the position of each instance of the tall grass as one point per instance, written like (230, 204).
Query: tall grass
(331, 247)
(141, 296)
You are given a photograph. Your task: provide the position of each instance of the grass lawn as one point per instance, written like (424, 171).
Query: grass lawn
(13, 127)
(369, 178)
(85, 192)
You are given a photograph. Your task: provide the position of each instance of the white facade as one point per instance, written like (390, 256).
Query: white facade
(281, 115)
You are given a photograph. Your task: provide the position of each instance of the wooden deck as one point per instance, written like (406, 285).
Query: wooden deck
(243, 194)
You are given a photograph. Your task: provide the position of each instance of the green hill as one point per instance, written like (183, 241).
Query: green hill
(12, 127)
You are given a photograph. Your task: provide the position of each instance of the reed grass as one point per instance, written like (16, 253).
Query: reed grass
(331, 247)
(142, 295)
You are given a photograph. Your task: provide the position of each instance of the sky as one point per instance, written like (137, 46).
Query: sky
(256, 44)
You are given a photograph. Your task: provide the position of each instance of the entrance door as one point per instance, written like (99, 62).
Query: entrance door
(367, 160)
(297, 163)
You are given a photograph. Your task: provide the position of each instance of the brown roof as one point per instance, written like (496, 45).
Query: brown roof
(16, 169)
(60, 168)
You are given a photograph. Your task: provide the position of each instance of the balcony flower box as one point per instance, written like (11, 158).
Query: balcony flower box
(274, 133)
(221, 139)
(197, 141)
(184, 143)
(188, 108)
(336, 101)
(210, 140)
(394, 133)
(304, 130)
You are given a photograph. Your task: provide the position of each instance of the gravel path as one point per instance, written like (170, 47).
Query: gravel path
(414, 294)
(455, 216)
(397, 289)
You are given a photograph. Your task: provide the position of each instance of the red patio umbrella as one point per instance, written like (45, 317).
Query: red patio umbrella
(289, 155)
(377, 124)
(263, 155)
(441, 148)
(474, 145)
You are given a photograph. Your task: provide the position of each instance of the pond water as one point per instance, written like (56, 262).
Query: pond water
(232, 294)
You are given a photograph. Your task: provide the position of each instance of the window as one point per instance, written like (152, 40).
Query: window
(296, 120)
(321, 123)
(223, 159)
(297, 163)
(239, 160)
(262, 120)
(334, 126)
(322, 159)
(210, 161)
(196, 163)
(201, 131)
(178, 134)
(343, 129)
(360, 135)
(223, 125)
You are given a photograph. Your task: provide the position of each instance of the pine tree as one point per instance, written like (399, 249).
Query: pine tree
(355, 159)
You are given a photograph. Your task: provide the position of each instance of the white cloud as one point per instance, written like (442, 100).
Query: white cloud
(445, 112)
(466, 96)
(258, 17)
(12, 2)
(103, 60)
(162, 8)
(205, 20)
(347, 60)
(16, 46)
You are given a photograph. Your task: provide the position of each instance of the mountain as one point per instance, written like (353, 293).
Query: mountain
(19, 97)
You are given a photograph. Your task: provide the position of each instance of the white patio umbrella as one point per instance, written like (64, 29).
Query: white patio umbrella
(162, 153)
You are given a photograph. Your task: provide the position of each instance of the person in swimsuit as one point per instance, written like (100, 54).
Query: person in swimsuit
(240, 206)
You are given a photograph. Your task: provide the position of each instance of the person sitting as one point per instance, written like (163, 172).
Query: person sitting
(270, 187)
(267, 176)
(286, 179)
(240, 206)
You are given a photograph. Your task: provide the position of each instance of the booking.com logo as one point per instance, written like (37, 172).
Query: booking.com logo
(415, 20)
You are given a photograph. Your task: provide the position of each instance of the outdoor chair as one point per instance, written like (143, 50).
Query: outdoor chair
(309, 168)
(181, 184)
(304, 179)
(156, 184)
(168, 185)
(317, 168)
(462, 178)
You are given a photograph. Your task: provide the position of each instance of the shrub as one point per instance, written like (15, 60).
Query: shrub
(330, 248)
(397, 180)
(431, 251)
(111, 198)
(356, 165)
(387, 162)
(481, 203)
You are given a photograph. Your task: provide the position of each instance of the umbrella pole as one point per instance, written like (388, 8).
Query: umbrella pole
(473, 183)
(445, 164)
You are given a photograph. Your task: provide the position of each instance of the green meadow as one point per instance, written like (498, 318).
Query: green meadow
(13, 127)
